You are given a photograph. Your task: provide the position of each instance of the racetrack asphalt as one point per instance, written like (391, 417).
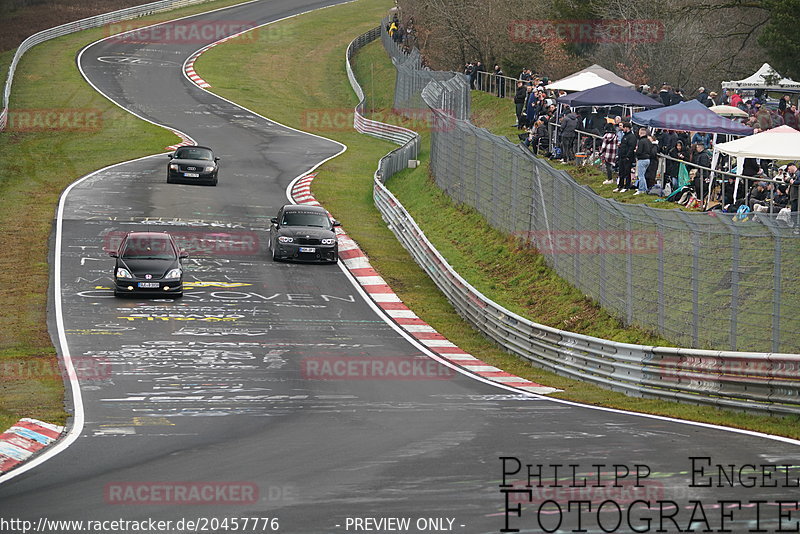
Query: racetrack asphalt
(224, 385)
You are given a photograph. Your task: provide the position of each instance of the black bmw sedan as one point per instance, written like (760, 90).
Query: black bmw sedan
(303, 233)
(148, 262)
(193, 164)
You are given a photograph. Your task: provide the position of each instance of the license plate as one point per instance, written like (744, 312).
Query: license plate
(191, 175)
(307, 249)
(148, 285)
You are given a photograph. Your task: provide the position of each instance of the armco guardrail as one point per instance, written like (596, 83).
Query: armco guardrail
(749, 381)
(78, 25)
(388, 132)
(767, 383)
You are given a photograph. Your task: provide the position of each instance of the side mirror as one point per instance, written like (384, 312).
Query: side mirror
(183, 254)
(113, 253)
(216, 159)
(170, 156)
(336, 223)
(274, 220)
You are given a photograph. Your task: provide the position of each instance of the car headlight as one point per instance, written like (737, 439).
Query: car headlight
(174, 273)
(330, 241)
(285, 239)
(208, 169)
(173, 166)
(123, 273)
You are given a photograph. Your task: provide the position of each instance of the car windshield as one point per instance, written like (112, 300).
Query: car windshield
(148, 248)
(305, 218)
(194, 153)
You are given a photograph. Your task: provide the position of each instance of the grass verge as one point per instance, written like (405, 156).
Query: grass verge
(36, 164)
(344, 186)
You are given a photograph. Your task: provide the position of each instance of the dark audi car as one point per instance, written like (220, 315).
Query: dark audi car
(148, 262)
(193, 164)
(303, 233)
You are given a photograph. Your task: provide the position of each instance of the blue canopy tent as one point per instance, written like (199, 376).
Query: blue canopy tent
(609, 94)
(691, 116)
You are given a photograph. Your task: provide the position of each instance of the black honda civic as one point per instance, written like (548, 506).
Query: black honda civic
(303, 233)
(193, 164)
(148, 262)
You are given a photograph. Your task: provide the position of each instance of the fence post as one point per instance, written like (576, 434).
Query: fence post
(695, 289)
(776, 296)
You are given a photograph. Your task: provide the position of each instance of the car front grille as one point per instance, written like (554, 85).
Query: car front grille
(190, 168)
(307, 241)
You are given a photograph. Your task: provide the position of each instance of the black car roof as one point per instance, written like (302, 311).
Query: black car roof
(194, 146)
(306, 208)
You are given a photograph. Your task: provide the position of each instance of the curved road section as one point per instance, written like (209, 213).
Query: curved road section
(273, 395)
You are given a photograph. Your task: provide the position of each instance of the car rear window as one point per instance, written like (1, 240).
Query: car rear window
(147, 247)
(305, 218)
(194, 153)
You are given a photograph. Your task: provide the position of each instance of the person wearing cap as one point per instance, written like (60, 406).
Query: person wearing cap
(758, 195)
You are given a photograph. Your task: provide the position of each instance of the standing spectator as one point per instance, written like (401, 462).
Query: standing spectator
(711, 100)
(652, 169)
(500, 83)
(702, 96)
(700, 138)
(785, 102)
(569, 123)
(665, 94)
(644, 150)
(700, 157)
(677, 98)
(679, 151)
(519, 102)
(736, 100)
(794, 185)
(608, 151)
(627, 151)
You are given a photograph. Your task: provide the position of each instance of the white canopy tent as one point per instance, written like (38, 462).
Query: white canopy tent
(597, 70)
(765, 78)
(781, 143)
(578, 82)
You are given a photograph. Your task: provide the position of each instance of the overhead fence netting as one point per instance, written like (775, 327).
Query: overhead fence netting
(79, 25)
(649, 264)
(702, 280)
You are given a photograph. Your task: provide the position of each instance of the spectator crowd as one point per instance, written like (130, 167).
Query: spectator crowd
(671, 164)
